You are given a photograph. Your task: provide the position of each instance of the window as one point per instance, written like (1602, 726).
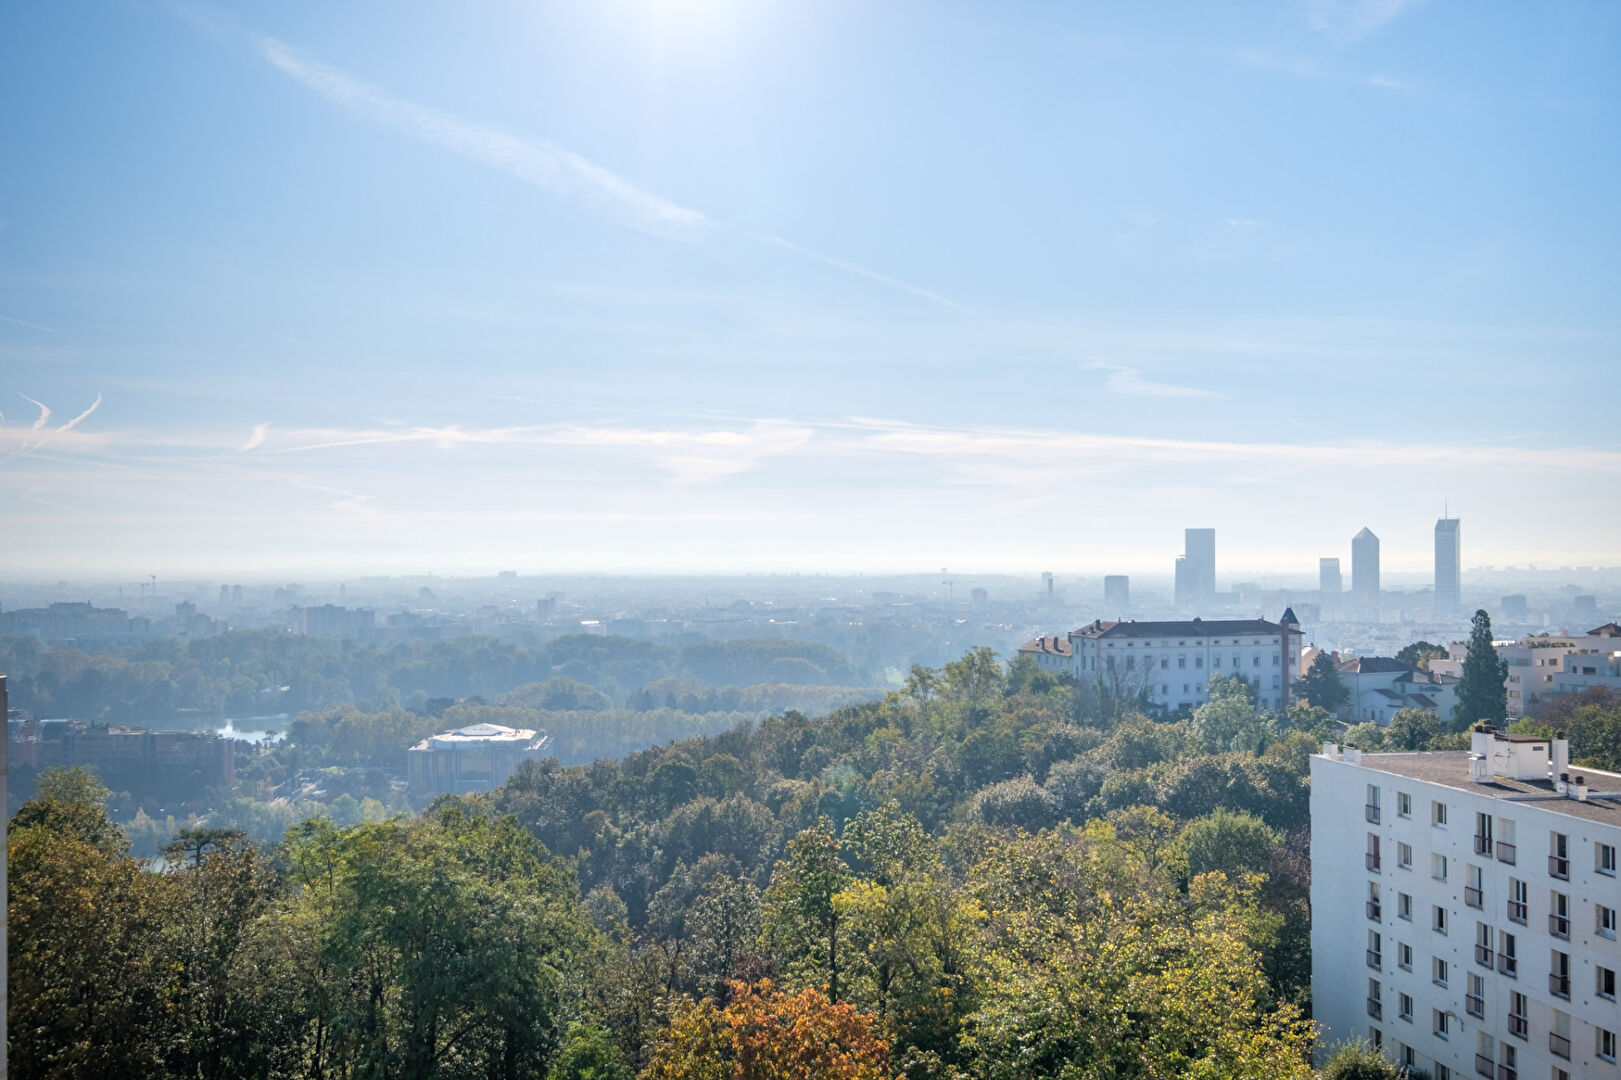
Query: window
(1198, 661)
(1473, 886)
(1441, 1024)
(1559, 974)
(1508, 955)
(1559, 1035)
(1518, 1024)
(1441, 1072)
(1438, 919)
(1404, 1008)
(1438, 867)
(1404, 906)
(1474, 1002)
(1404, 855)
(1483, 834)
(1376, 1006)
(1559, 856)
(1182, 662)
(1376, 1037)
(1438, 814)
(1372, 858)
(1371, 809)
(1375, 949)
(1483, 945)
(1407, 1056)
(1373, 908)
(1605, 920)
(1404, 956)
(1559, 915)
(1165, 663)
(1606, 859)
(1215, 661)
(1606, 1044)
(1517, 901)
(1404, 804)
(1438, 971)
(1605, 987)
(1255, 661)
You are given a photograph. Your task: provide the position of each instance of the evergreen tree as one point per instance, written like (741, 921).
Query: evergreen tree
(1482, 694)
(1322, 686)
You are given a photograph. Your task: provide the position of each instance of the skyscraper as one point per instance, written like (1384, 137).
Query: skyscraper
(1448, 599)
(1196, 569)
(1116, 593)
(1365, 569)
(1328, 580)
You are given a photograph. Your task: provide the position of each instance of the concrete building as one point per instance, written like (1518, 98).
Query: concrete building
(1365, 570)
(128, 756)
(1380, 685)
(1117, 593)
(478, 757)
(1465, 920)
(1173, 661)
(1329, 583)
(1196, 569)
(1542, 665)
(330, 620)
(1050, 654)
(1448, 567)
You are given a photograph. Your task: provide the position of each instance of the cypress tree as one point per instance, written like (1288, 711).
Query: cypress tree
(1482, 694)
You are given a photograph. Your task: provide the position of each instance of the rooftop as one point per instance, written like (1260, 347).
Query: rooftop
(1182, 628)
(1451, 769)
(1056, 646)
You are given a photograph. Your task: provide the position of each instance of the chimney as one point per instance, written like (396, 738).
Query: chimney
(1560, 748)
(1581, 788)
(1353, 756)
(1480, 739)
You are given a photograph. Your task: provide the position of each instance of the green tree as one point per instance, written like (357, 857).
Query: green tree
(1482, 691)
(1360, 1061)
(1411, 729)
(1322, 686)
(800, 923)
(1420, 653)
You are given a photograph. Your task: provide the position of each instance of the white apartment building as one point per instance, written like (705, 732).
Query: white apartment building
(1465, 921)
(1049, 653)
(1173, 661)
(1538, 667)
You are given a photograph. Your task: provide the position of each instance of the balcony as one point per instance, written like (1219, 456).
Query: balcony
(1558, 1045)
(1473, 897)
(1506, 853)
(1374, 960)
(1507, 1072)
(1518, 1025)
(1485, 1066)
(1483, 845)
(1376, 1008)
(1372, 861)
(1559, 926)
(1559, 985)
(1474, 1006)
(1371, 812)
(1559, 867)
(1508, 965)
(1483, 956)
(1373, 909)
(1516, 912)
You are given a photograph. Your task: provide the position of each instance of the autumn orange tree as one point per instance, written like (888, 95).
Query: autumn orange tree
(766, 1034)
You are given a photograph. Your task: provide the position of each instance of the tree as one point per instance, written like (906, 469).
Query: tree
(1322, 686)
(1359, 1061)
(766, 1034)
(1420, 653)
(1411, 729)
(801, 923)
(1482, 691)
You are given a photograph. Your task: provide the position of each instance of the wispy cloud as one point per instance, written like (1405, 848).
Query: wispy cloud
(1308, 69)
(256, 439)
(1122, 379)
(40, 433)
(546, 165)
(1348, 21)
(543, 164)
(24, 322)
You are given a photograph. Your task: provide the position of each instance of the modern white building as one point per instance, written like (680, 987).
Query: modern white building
(1173, 661)
(1365, 571)
(1542, 665)
(1448, 566)
(479, 757)
(1465, 919)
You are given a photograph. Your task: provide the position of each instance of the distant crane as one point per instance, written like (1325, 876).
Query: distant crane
(951, 586)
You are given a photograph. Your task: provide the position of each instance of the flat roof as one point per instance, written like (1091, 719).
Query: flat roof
(1450, 768)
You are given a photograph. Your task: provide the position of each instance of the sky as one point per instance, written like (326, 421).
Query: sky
(726, 285)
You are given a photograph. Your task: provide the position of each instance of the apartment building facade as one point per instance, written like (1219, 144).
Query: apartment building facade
(1464, 908)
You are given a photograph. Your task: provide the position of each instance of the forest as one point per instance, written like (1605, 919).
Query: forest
(261, 672)
(989, 873)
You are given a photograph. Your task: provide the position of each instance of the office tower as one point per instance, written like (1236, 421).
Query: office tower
(1187, 591)
(1515, 607)
(1047, 580)
(1117, 593)
(979, 597)
(1447, 554)
(1365, 569)
(1199, 546)
(1328, 580)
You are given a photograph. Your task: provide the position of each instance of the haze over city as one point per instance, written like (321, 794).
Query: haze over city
(828, 287)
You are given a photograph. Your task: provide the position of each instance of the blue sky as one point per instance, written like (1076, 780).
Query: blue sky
(715, 284)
